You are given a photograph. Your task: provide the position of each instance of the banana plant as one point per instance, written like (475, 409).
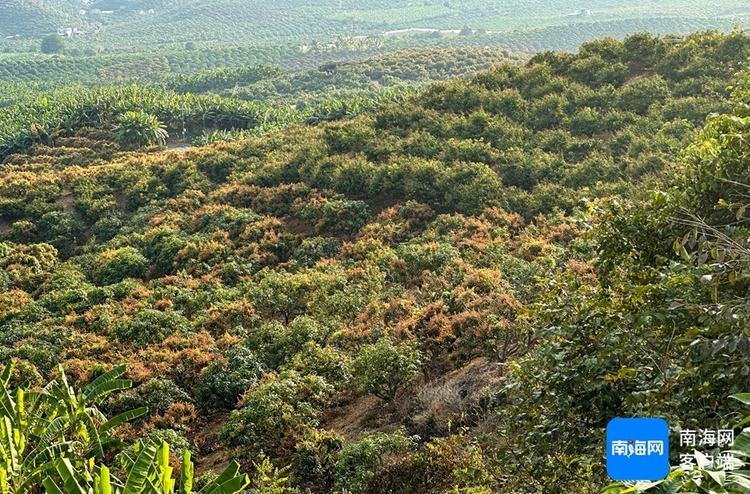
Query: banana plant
(26, 438)
(82, 412)
(38, 428)
(148, 473)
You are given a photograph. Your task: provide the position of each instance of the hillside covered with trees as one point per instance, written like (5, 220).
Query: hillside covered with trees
(446, 291)
(521, 26)
(227, 73)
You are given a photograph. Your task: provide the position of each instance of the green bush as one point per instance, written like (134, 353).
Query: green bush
(275, 414)
(216, 165)
(359, 461)
(327, 362)
(157, 394)
(107, 226)
(638, 96)
(149, 327)
(138, 128)
(52, 43)
(336, 216)
(311, 250)
(383, 369)
(113, 266)
(221, 384)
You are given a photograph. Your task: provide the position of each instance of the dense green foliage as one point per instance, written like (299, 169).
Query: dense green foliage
(225, 71)
(324, 94)
(409, 69)
(52, 43)
(136, 128)
(451, 292)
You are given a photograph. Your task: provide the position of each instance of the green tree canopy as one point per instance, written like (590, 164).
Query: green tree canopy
(52, 43)
(383, 369)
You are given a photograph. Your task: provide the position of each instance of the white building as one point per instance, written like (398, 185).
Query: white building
(580, 13)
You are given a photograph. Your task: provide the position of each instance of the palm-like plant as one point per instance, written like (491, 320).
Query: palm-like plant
(137, 128)
(39, 427)
(148, 473)
(52, 439)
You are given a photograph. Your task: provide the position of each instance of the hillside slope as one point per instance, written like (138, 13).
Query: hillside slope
(453, 257)
(35, 18)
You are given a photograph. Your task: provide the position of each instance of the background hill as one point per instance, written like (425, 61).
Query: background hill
(35, 18)
(149, 23)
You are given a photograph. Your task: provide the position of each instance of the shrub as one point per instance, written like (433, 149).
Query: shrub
(442, 463)
(315, 457)
(337, 215)
(328, 362)
(359, 460)
(274, 414)
(162, 245)
(383, 369)
(216, 165)
(158, 394)
(116, 265)
(107, 226)
(138, 128)
(313, 249)
(149, 327)
(52, 43)
(638, 96)
(221, 384)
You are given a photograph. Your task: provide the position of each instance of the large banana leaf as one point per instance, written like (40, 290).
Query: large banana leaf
(7, 404)
(53, 431)
(166, 482)
(186, 480)
(51, 487)
(7, 371)
(92, 394)
(21, 415)
(38, 402)
(116, 372)
(69, 476)
(232, 486)
(122, 418)
(8, 451)
(40, 456)
(103, 481)
(741, 446)
(94, 444)
(140, 470)
(226, 481)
